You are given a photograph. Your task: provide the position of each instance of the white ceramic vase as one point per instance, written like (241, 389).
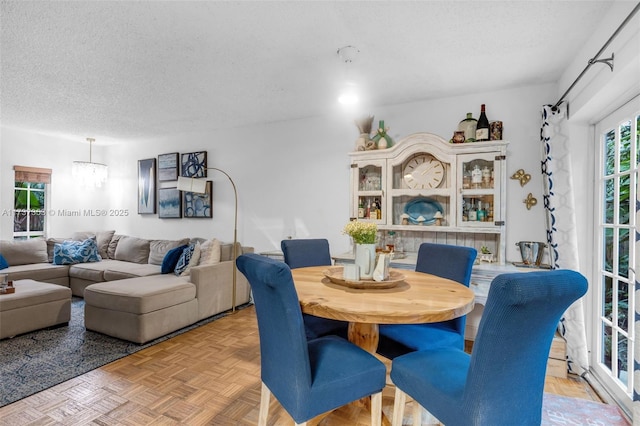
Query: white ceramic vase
(366, 260)
(361, 142)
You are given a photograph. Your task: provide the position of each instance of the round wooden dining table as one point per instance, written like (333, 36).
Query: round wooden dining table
(417, 298)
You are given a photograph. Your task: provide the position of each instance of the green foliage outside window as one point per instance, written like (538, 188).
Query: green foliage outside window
(29, 206)
(622, 214)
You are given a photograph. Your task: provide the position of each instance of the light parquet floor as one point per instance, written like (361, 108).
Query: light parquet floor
(207, 376)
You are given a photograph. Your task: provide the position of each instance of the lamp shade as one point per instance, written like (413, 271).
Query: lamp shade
(192, 185)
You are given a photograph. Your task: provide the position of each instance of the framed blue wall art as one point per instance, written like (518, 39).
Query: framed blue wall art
(147, 186)
(198, 205)
(194, 164)
(169, 203)
(168, 167)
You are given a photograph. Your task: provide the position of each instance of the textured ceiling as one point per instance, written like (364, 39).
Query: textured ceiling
(125, 70)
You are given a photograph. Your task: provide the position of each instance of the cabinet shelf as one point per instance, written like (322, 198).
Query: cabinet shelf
(377, 193)
(432, 228)
(476, 192)
(421, 193)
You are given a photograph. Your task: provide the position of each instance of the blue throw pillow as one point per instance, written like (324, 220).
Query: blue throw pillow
(3, 262)
(183, 260)
(72, 252)
(171, 259)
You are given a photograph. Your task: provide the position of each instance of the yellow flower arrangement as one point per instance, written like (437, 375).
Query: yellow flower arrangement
(361, 232)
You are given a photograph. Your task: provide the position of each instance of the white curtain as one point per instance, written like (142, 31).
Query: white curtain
(559, 208)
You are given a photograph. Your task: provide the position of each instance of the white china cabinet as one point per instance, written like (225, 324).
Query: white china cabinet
(425, 189)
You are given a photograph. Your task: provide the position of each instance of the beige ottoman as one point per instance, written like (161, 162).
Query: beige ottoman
(33, 306)
(140, 309)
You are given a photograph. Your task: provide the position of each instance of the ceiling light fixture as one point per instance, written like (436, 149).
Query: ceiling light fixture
(88, 173)
(349, 93)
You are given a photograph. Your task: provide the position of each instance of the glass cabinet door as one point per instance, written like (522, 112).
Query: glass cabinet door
(421, 191)
(479, 188)
(368, 201)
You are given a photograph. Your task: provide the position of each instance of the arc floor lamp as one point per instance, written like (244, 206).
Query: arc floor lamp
(199, 186)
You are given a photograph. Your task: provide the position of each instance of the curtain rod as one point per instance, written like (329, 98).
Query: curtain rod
(608, 61)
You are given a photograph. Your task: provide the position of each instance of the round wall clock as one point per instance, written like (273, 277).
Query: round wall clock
(423, 172)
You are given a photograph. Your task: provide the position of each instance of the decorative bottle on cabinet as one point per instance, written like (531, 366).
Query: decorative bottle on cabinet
(476, 177)
(468, 126)
(480, 212)
(382, 139)
(473, 213)
(482, 128)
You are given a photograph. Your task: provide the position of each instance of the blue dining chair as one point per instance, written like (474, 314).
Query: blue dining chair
(306, 252)
(502, 381)
(313, 252)
(312, 377)
(446, 261)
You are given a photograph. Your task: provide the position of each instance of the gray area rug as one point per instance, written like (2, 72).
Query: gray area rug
(35, 361)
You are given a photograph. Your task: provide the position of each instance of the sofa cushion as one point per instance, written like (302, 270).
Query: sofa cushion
(140, 295)
(90, 271)
(23, 252)
(124, 270)
(210, 252)
(38, 271)
(72, 252)
(103, 239)
(3, 262)
(132, 249)
(183, 260)
(159, 248)
(111, 270)
(51, 243)
(226, 251)
(113, 244)
(195, 259)
(189, 258)
(171, 259)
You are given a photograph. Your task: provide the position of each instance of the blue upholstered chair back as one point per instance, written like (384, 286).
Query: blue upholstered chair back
(307, 377)
(306, 252)
(284, 355)
(313, 252)
(446, 261)
(502, 381)
(451, 262)
(505, 380)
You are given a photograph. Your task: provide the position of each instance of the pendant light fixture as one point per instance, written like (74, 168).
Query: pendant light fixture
(349, 94)
(88, 173)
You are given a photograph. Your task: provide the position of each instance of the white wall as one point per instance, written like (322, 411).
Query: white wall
(292, 177)
(24, 148)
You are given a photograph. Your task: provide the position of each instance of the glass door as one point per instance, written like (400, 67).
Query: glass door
(614, 303)
(479, 190)
(368, 203)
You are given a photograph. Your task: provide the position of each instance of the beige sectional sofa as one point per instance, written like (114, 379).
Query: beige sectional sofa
(126, 296)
